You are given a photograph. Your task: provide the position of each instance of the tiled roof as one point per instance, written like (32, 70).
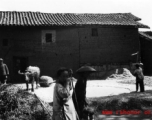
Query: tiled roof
(147, 35)
(13, 18)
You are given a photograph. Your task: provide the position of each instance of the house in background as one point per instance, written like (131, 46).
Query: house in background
(50, 41)
(146, 51)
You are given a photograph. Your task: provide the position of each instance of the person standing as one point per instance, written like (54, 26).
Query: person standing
(63, 107)
(79, 97)
(138, 73)
(4, 72)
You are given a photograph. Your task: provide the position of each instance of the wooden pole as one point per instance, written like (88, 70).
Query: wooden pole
(43, 105)
(75, 98)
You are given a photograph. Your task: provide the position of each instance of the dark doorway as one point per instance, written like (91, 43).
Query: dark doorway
(19, 63)
(146, 57)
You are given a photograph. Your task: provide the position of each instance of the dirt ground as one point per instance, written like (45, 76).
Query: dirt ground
(95, 88)
(114, 84)
(116, 92)
(100, 89)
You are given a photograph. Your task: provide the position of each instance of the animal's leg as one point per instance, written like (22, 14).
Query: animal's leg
(5, 80)
(91, 117)
(27, 86)
(32, 84)
(1, 80)
(37, 81)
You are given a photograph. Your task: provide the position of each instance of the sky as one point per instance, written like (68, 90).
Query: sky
(140, 8)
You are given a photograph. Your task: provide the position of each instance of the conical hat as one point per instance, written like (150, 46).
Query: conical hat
(140, 64)
(86, 69)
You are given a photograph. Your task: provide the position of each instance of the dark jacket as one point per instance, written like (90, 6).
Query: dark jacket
(79, 98)
(138, 73)
(4, 70)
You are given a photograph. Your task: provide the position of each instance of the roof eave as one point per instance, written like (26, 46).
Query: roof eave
(143, 35)
(141, 25)
(147, 27)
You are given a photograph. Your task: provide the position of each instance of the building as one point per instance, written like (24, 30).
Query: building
(146, 51)
(51, 40)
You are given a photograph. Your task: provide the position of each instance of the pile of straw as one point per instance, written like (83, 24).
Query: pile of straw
(45, 81)
(16, 104)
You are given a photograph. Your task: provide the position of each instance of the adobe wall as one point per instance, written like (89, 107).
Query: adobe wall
(113, 45)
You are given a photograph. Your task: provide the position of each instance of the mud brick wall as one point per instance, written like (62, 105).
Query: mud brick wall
(112, 45)
(27, 42)
(74, 46)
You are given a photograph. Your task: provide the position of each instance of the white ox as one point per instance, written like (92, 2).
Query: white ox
(32, 73)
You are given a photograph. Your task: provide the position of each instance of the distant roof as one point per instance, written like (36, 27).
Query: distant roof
(14, 18)
(147, 35)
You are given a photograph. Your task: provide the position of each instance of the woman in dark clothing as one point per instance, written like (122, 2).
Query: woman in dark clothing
(80, 92)
(79, 98)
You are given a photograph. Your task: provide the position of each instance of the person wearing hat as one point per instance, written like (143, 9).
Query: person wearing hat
(79, 97)
(138, 73)
(4, 72)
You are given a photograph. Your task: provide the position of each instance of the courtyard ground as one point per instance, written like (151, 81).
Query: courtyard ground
(119, 94)
(95, 88)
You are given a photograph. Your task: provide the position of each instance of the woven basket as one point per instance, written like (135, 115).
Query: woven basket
(45, 81)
